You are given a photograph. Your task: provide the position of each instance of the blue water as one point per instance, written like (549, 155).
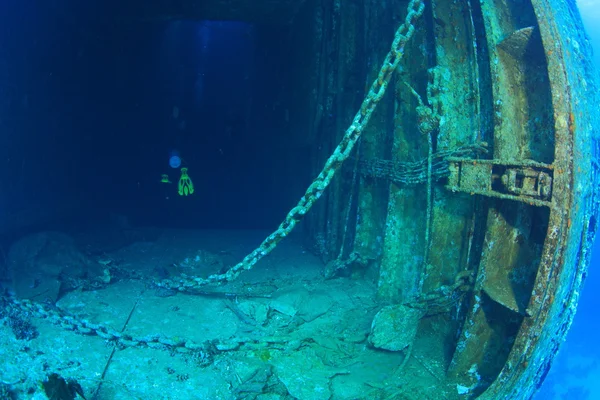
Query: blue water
(575, 374)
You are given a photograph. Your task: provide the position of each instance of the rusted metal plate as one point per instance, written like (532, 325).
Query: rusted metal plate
(572, 220)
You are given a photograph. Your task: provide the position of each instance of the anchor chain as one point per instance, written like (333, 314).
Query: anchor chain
(202, 352)
(332, 165)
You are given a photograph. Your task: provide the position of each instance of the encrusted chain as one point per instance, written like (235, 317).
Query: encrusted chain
(122, 340)
(340, 154)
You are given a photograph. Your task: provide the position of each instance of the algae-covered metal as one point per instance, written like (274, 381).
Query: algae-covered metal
(515, 78)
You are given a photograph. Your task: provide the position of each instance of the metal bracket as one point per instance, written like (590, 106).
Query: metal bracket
(525, 181)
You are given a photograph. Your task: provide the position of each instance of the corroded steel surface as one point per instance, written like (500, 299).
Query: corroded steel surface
(575, 203)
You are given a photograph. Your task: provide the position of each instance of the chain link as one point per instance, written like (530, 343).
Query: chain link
(332, 165)
(120, 339)
(412, 173)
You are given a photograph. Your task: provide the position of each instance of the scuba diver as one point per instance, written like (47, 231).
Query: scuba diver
(185, 186)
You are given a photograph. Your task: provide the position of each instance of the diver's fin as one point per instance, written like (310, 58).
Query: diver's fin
(185, 186)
